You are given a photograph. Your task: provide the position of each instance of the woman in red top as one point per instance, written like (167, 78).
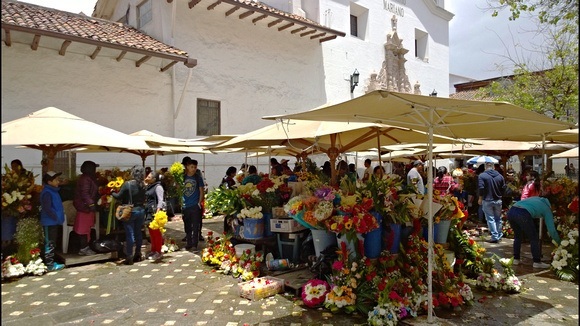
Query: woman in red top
(533, 185)
(444, 183)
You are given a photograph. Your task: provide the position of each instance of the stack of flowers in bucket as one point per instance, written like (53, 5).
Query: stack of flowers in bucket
(565, 260)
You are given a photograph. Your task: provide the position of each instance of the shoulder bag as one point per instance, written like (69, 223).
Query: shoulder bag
(123, 212)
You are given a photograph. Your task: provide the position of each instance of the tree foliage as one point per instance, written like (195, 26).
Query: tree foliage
(551, 89)
(548, 11)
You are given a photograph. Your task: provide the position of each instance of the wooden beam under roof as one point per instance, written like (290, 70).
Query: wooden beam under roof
(317, 35)
(332, 37)
(246, 14)
(96, 52)
(8, 38)
(63, 47)
(255, 20)
(164, 69)
(285, 26)
(277, 21)
(308, 33)
(121, 55)
(142, 61)
(213, 5)
(231, 11)
(299, 29)
(35, 42)
(193, 3)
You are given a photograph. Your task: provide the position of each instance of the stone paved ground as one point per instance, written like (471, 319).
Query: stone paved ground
(182, 291)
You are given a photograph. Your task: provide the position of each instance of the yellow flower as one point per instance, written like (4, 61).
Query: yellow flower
(112, 184)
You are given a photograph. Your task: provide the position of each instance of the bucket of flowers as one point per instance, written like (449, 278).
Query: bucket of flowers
(565, 260)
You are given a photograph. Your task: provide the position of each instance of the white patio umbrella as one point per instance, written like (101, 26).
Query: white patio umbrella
(571, 153)
(482, 159)
(444, 116)
(52, 130)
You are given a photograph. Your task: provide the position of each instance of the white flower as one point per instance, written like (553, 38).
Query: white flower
(564, 243)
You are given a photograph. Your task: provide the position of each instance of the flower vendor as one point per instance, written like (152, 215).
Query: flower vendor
(133, 192)
(521, 216)
(51, 216)
(85, 202)
(154, 195)
(252, 177)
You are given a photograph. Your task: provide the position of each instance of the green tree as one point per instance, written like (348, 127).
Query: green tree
(549, 87)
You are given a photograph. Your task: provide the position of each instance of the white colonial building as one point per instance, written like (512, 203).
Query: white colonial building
(242, 60)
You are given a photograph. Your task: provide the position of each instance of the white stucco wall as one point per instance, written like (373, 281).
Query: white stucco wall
(251, 69)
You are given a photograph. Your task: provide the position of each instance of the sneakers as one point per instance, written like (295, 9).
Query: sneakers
(128, 261)
(137, 257)
(156, 256)
(541, 265)
(516, 262)
(55, 267)
(87, 251)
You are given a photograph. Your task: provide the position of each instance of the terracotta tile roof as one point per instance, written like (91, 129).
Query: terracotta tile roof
(259, 11)
(29, 18)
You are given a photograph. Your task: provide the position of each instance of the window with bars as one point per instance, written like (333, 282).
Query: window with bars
(144, 13)
(208, 117)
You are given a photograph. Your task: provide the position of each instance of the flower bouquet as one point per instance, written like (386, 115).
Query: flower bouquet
(169, 245)
(17, 193)
(489, 279)
(251, 212)
(105, 197)
(565, 260)
(11, 268)
(220, 252)
(36, 266)
(159, 221)
(248, 266)
(314, 293)
(509, 282)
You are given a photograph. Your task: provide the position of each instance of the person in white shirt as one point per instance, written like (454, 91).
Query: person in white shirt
(414, 178)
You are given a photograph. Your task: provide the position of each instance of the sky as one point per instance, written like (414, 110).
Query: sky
(477, 41)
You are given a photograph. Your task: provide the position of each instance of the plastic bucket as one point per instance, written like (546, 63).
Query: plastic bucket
(322, 239)
(253, 228)
(242, 247)
(373, 239)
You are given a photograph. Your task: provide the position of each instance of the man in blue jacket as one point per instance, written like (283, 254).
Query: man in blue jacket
(51, 217)
(521, 216)
(491, 186)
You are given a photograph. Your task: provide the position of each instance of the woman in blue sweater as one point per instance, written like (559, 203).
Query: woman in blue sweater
(521, 216)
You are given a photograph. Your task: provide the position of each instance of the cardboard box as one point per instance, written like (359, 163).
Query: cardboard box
(261, 287)
(278, 212)
(285, 225)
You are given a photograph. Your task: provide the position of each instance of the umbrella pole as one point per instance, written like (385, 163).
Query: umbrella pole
(155, 162)
(430, 227)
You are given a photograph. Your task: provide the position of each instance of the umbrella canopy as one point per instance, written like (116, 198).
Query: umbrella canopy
(329, 137)
(448, 117)
(571, 153)
(52, 130)
(482, 159)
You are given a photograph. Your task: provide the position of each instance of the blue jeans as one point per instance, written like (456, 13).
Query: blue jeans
(192, 225)
(492, 211)
(133, 234)
(522, 223)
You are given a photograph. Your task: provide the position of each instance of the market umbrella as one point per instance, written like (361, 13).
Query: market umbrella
(482, 159)
(52, 130)
(448, 117)
(571, 153)
(329, 137)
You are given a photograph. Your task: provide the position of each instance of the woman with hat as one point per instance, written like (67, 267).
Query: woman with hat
(85, 199)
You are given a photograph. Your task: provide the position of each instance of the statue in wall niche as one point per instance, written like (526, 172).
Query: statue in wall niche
(394, 23)
(417, 88)
(393, 75)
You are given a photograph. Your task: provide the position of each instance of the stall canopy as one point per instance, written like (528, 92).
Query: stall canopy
(52, 130)
(444, 116)
(329, 137)
(571, 153)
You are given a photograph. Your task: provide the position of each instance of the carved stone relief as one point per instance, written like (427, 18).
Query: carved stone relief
(392, 76)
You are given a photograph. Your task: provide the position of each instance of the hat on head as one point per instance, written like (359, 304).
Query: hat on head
(418, 162)
(51, 175)
(89, 167)
(284, 161)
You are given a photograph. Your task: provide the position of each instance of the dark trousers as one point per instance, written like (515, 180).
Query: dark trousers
(522, 223)
(50, 236)
(192, 225)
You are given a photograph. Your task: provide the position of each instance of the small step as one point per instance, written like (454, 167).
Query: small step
(71, 259)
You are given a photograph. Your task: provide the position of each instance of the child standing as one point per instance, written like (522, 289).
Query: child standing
(51, 217)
